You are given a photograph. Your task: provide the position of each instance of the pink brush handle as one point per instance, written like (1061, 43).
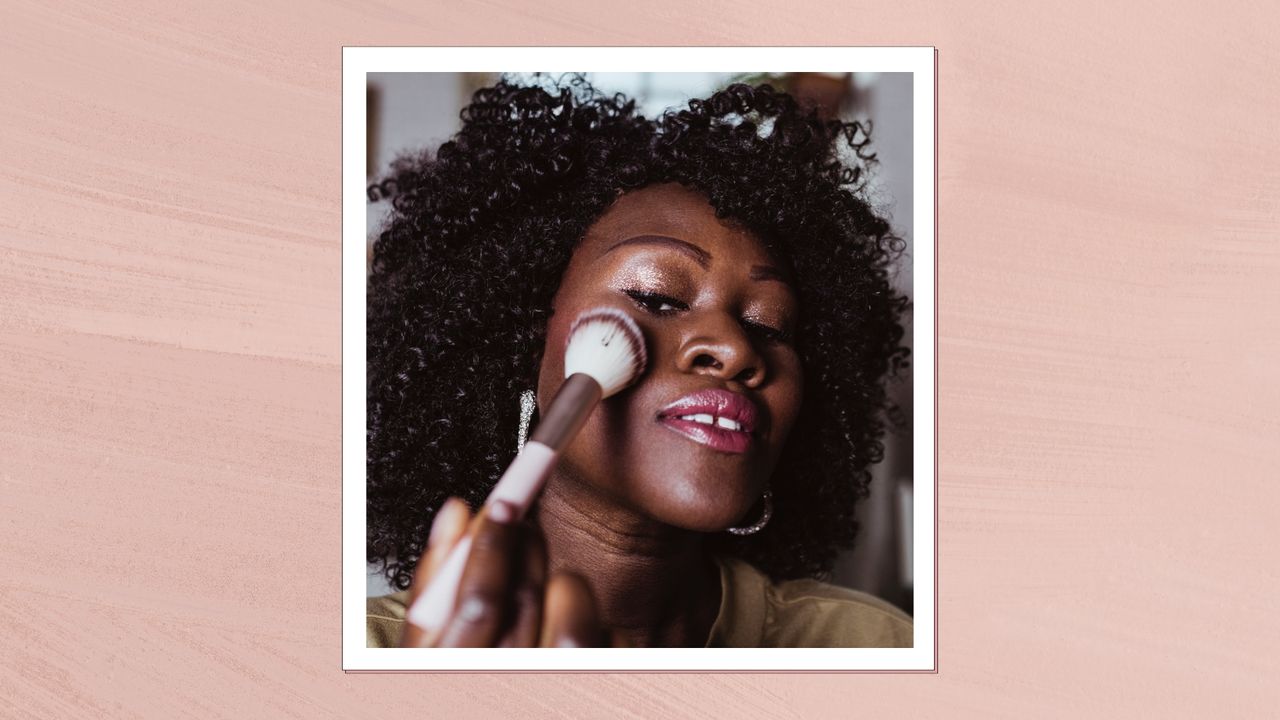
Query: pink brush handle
(519, 486)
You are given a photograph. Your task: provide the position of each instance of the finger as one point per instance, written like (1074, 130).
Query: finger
(487, 581)
(570, 617)
(528, 599)
(449, 526)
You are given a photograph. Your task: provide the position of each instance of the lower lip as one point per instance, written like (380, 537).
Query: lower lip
(714, 437)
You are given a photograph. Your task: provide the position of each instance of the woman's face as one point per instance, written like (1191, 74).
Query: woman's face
(693, 443)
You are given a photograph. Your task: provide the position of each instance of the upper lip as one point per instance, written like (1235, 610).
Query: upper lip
(720, 403)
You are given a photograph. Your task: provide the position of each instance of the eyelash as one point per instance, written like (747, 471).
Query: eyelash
(651, 302)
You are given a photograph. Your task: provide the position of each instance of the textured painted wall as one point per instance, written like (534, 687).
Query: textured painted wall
(169, 359)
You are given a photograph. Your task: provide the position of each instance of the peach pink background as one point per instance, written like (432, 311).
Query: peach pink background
(169, 360)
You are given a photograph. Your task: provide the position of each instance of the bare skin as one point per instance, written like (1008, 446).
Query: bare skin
(615, 552)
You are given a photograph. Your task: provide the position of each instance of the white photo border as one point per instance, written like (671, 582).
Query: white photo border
(357, 62)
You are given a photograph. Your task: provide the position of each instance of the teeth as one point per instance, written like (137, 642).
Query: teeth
(707, 419)
(727, 424)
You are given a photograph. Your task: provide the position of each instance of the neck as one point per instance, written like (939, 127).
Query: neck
(655, 585)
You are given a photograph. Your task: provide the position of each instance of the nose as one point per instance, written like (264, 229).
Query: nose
(717, 345)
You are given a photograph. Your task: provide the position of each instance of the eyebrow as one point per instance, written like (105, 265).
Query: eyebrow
(702, 257)
(768, 272)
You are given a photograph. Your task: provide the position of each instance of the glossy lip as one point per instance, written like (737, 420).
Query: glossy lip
(720, 404)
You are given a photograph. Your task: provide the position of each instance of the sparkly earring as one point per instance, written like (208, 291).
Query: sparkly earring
(528, 404)
(764, 520)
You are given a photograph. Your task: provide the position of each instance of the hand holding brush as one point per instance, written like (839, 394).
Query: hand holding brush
(605, 354)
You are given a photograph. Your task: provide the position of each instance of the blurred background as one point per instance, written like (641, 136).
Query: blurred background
(410, 111)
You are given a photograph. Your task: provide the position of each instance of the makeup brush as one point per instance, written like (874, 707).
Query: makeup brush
(604, 354)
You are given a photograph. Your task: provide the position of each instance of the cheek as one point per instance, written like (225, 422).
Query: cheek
(786, 394)
(551, 369)
(577, 295)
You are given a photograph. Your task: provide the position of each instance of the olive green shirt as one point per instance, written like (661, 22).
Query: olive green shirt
(754, 612)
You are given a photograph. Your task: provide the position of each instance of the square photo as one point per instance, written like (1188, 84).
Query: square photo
(638, 365)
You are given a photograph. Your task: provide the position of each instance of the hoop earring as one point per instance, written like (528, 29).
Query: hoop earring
(764, 520)
(528, 404)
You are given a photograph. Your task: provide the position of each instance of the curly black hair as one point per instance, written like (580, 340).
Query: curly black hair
(464, 271)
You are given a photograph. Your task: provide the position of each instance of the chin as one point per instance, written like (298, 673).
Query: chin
(685, 485)
(664, 475)
(687, 505)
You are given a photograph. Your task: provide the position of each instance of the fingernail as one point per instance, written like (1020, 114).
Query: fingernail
(501, 511)
(473, 610)
(445, 521)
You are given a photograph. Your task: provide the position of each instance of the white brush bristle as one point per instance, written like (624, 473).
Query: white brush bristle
(606, 344)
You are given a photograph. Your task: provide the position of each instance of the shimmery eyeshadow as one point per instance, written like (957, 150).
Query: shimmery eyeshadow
(645, 276)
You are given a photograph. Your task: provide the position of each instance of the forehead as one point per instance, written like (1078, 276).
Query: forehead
(676, 211)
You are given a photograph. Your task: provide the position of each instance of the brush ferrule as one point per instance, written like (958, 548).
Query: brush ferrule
(568, 412)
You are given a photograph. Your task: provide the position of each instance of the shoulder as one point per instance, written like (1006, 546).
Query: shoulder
(810, 613)
(384, 619)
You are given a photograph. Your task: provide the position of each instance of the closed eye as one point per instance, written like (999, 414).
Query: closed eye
(659, 304)
(656, 303)
(767, 333)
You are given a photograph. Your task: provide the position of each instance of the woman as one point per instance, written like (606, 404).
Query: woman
(733, 232)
